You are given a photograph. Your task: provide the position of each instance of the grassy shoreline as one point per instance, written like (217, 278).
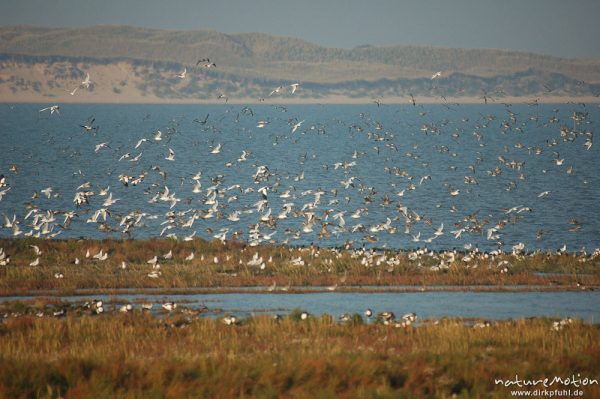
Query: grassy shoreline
(51, 348)
(136, 355)
(231, 265)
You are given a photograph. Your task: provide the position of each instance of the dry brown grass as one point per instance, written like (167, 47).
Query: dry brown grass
(138, 356)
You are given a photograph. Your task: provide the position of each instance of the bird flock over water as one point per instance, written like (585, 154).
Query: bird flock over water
(268, 202)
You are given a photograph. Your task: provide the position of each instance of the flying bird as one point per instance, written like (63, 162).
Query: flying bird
(171, 156)
(87, 82)
(276, 90)
(182, 74)
(296, 126)
(52, 109)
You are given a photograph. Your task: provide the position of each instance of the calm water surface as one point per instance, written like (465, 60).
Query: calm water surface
(491, 305)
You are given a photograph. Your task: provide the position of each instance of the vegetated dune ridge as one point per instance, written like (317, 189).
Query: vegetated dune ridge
(138, 65)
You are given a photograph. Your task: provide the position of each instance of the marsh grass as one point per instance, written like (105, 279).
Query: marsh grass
(321, 267)
(139, 356)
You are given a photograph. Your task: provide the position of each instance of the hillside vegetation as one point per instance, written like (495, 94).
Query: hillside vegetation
(143, 62)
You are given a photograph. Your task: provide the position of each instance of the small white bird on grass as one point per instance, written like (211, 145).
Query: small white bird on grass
(126, 308)
(101, 255)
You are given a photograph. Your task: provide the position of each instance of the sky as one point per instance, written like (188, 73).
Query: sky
(564, 28)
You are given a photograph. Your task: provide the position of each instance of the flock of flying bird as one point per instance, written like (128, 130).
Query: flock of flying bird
(303, 202)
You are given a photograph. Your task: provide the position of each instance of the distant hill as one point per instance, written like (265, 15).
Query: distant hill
(137, 63)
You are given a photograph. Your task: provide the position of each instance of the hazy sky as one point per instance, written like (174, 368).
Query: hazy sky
(567, 28)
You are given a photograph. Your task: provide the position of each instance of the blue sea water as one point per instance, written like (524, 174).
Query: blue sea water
(511, 153)
(492, 305)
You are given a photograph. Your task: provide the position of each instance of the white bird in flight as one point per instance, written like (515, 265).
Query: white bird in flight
(276, 90)
(110, 201)
(171, 156)
(182, 74)
(139, 143)
(543, 194)
(100, 146)
(52, 109)
(87, 81)
(296, 126)
(216, 149)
